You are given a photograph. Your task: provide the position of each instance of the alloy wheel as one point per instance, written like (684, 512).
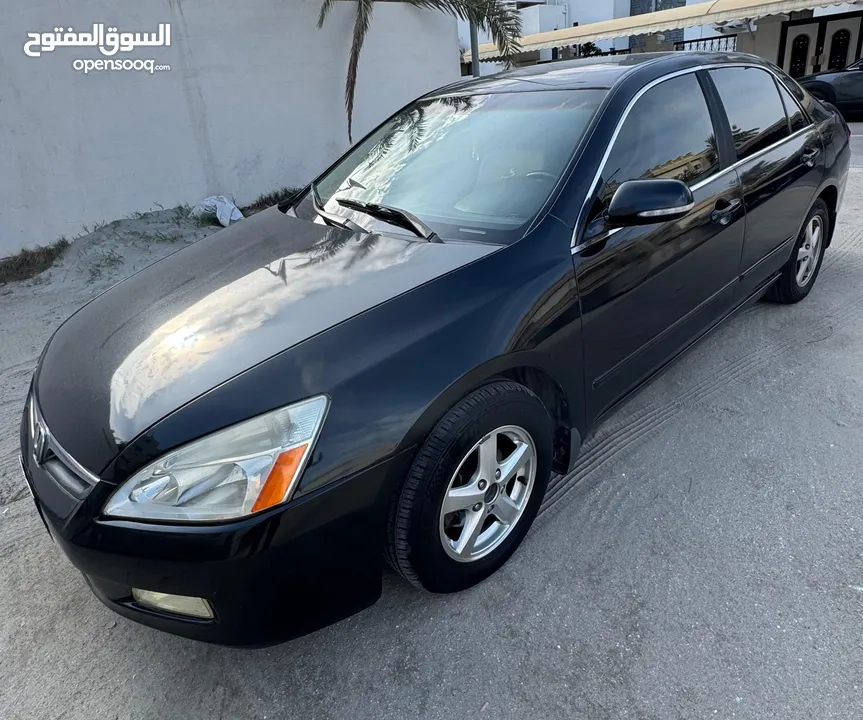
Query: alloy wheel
(488, 493)
(810, 251)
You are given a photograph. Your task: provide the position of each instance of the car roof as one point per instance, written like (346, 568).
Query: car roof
(592, 72)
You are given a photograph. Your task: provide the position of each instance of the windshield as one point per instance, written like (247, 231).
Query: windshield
(474, 167)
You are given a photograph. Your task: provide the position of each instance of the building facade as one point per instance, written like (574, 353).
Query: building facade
(821, 38)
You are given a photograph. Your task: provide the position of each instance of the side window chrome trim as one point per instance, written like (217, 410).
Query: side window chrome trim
(761, 152)
(652, 84)
(594, 240)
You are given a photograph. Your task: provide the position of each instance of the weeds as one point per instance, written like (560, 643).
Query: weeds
(269, 199)
(29, 263)
(160, 237)
(102, 260)
(183, 213)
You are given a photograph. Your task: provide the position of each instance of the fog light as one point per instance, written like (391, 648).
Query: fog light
(178, 604)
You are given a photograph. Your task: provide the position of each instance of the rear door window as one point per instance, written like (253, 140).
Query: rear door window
(754, 108)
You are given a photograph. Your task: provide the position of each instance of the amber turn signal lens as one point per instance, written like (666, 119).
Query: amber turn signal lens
(276, 487)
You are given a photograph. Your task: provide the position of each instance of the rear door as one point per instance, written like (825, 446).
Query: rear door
(647, 291)
(781, 164)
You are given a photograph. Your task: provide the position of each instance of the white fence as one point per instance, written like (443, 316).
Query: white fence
(253, 101)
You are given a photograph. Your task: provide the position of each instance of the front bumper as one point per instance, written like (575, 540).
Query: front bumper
(268, 578)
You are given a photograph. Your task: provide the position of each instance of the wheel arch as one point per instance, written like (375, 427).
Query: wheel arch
(525, 369)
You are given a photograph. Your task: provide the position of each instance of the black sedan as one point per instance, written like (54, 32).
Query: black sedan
(390, 366)
(842, 88)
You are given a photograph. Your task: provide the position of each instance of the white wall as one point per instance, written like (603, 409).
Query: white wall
(770, 36)
(254, 101)
(764, 42)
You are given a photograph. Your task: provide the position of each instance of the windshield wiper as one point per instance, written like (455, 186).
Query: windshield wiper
(394, 216)
(331, 218)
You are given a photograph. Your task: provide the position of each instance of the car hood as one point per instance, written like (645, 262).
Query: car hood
(203, 315)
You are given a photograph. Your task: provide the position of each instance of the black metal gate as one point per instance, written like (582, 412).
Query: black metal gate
(717, 43)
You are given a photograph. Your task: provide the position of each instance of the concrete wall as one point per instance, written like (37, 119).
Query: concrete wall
(764, 42)
(253, 101)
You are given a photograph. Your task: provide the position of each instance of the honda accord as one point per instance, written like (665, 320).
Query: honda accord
(389, 367)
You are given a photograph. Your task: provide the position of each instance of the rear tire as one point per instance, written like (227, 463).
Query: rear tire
(489, 458)
(800, 272)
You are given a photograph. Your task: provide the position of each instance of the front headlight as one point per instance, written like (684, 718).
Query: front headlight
(235, 472)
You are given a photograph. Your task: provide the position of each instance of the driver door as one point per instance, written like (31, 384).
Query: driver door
(648, 291)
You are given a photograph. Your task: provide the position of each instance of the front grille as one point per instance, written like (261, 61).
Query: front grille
(53, 459)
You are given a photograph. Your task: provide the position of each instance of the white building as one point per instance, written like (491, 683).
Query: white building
(825, 36)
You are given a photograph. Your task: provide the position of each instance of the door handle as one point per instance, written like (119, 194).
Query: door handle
(722, 215)
(808, 157)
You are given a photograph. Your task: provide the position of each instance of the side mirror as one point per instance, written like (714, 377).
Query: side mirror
(644, 202)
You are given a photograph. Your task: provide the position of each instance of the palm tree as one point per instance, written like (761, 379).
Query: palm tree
(413, 122)
(497, 17)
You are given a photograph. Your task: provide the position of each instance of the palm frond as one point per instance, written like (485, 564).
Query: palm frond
(326, 6)
(500, 19)
(384, 145)
(459, 103)
(328, 246)
(417, 129)
(361, 29)
(364, 247)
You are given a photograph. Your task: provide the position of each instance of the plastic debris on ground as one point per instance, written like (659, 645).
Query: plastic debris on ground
(218, 207)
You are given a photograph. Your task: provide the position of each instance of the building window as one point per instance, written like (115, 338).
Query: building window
(799, 56)
(639, 7)
(839, 50)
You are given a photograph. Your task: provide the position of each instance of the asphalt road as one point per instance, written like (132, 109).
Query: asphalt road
(705, 561)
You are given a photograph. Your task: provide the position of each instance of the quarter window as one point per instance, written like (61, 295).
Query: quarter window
(753, 106)
(813, 108)
(667, 134)
(792, 109)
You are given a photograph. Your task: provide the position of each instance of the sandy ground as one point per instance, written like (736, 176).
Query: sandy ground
(704, 560)
(30, 311)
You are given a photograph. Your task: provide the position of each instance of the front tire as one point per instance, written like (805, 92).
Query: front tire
(800, 272)
(473, 490)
